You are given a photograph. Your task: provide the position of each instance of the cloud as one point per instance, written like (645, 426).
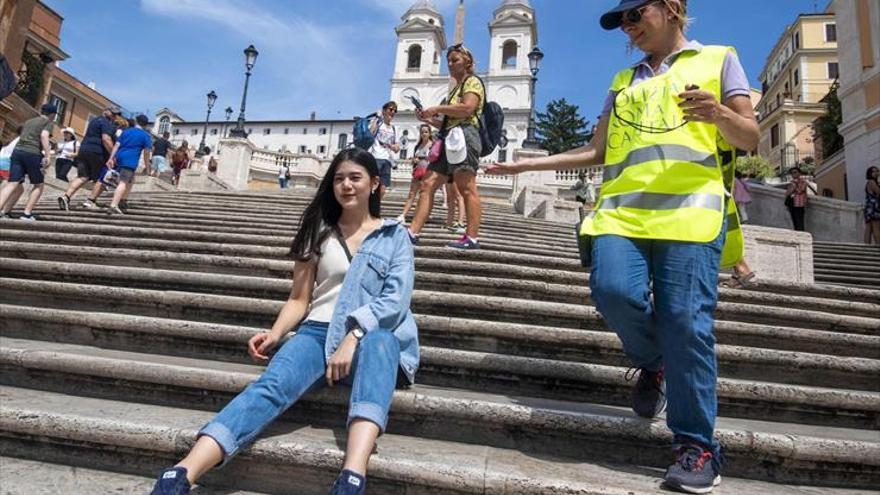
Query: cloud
(309, 65)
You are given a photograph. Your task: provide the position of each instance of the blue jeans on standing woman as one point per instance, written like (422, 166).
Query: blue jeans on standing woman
(676, 329)
(299, 367)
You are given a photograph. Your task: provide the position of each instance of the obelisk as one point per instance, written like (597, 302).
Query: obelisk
(459, 24)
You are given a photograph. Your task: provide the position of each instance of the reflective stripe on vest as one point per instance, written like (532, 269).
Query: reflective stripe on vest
(659, 152)
(663, 178)
(661, 201)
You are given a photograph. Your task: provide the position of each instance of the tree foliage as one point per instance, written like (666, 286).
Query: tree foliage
(561, 128)
(825, 128)
(755, 166)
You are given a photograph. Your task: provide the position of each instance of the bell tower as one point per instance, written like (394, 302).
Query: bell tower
(513, 33)
(421, 40)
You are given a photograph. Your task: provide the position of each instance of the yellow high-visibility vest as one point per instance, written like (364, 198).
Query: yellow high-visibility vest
(664, 178)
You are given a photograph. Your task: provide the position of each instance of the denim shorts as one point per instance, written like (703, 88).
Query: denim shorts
(23, 163)
(385, 171)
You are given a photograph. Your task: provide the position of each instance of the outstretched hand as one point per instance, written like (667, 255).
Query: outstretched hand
(503, 168)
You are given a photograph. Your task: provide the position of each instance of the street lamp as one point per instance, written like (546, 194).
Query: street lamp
(228, 116)
(250, 58)
(535, 57)
(212, 98)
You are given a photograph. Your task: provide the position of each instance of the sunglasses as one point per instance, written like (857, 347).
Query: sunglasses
(634, 16)
(392, 110)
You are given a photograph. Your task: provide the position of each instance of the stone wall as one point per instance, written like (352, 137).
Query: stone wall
(826, 219)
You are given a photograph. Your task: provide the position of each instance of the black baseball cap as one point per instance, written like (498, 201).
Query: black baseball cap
(613, 19)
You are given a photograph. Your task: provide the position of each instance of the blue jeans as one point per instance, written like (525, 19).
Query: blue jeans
(299, 367)
(385, 167)
(676, 329)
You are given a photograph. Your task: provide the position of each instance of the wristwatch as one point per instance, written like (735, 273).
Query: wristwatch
(357, 331)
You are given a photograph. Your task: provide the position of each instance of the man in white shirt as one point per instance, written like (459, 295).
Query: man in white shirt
(385, 146)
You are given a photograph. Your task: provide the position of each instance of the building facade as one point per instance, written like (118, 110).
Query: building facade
(418, 71)
(859, 95)
(798, 73)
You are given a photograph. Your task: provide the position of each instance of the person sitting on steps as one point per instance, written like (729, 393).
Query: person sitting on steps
(352, 285)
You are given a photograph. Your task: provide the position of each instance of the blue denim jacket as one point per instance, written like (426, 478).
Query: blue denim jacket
(376, 294)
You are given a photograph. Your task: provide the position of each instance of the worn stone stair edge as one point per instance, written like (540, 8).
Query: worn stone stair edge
(766, 446)
(426, 280)
(781, 395)
(561, 336)
(268, 308)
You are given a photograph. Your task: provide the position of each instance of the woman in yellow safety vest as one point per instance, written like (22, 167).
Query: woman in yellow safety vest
(668, 138)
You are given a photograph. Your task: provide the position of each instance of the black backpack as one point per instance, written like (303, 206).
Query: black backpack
(7, 78)
(491, 124)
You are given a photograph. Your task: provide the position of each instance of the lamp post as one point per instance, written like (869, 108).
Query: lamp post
(250, 58)
(212, 98)
(228, 116)
(535, 57)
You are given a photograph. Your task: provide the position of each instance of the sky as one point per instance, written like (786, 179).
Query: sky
(336, 57)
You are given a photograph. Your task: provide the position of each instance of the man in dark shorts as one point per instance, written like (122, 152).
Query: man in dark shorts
(29, 158)
(93, 154)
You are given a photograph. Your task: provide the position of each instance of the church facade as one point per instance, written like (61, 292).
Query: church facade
(419, 71)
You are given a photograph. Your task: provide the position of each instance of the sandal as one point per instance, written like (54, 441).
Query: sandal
(741, 282)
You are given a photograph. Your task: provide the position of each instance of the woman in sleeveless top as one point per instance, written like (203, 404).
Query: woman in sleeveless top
(66, 152)
(872, 205)
(420, 167)
(349, 308)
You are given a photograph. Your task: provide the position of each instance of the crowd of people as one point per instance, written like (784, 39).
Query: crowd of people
(656, 238)
(109, 153)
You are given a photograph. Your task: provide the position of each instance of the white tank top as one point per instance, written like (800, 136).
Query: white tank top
(332, 268)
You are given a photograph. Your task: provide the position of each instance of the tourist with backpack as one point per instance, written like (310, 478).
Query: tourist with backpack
(457, 152)
(94, 150)
(350, 310)
(125, 158)
(385, 144)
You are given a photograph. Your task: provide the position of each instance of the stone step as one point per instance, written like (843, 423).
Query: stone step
(585, 346)
(533, 427)
(60, 262)
(498, 373)
(28, 477)
(565, 270)
(465, 305)
(828, 278)
(289, 457)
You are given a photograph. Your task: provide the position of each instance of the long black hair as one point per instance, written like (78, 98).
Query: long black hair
(322, 214)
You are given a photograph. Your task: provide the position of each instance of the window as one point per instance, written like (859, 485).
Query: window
(250, 130)
(502, 155)
(797, 40)
(322, 149)
(797, 77)
(267, 131)
(176, 132)
(414, 58)
(403, 153)
(831, 32)
(343, 141)
(322, 131)
(828, 193)
(302, 149)
(833, 70)
(508, 55)
(61, 105)
(214, 131)
(164, 124)
(287, 130)
(774, 136)
(195, 132)
(305, 130)
(778, 100)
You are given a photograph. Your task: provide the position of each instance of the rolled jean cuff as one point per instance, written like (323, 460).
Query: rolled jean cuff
(223, 437)
(369, 411)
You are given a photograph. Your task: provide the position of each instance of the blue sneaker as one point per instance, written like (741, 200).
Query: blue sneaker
(465, 243)
(649, 394)
(349, 483)
(172, 481)
(695, 471)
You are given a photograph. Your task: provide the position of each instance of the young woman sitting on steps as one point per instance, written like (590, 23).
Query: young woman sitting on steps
(349, 306)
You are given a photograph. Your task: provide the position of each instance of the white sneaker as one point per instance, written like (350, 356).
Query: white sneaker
(89, 205)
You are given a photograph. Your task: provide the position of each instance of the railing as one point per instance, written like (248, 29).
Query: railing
(571, 176)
